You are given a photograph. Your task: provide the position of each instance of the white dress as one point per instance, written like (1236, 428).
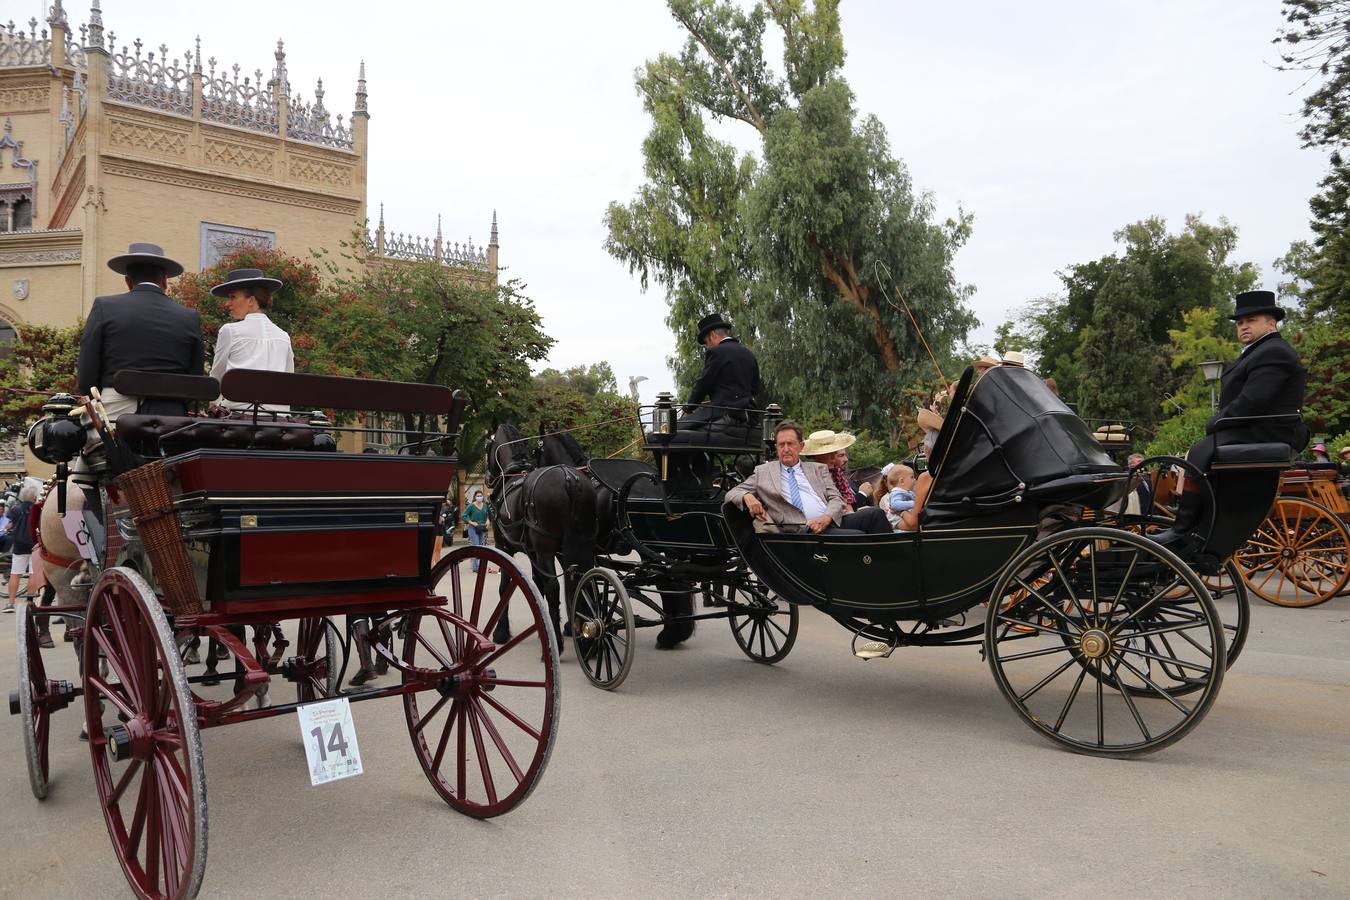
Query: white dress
(252, 343)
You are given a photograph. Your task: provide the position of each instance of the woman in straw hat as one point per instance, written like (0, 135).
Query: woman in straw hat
(931, 423)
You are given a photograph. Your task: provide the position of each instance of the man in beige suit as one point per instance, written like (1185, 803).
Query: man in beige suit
(793, 494)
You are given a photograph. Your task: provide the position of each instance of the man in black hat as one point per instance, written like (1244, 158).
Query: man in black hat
(142, 329)
(728, 382)
(1267, 379)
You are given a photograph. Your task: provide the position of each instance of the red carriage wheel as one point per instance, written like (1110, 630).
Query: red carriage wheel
(484, 730)
(147, 756)
(35, 701)
(316, 660)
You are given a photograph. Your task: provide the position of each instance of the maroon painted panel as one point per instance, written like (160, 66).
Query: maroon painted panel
(317, 556)
(309, 474)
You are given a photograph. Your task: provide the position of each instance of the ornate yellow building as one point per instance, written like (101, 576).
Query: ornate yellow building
(102, 146)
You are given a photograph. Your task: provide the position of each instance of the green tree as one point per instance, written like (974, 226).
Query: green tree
(41, 362)
(585, 400)
(1316, 41)
(1199, 339)
(807, 248)
(1104, 338)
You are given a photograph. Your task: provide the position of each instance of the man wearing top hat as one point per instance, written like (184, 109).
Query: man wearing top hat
(729, 380)
(142, 329)
(1266, 379)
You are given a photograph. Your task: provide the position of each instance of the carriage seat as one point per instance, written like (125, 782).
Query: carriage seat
(142, 434)
(1271, 455)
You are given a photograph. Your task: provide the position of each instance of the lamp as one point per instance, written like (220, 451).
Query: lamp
(1212, 369)
(773, 415)
(846, 413)
(663, 415)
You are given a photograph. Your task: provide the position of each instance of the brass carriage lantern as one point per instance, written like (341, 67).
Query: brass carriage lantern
(845, 413)
(663, 414)
(1212, 369)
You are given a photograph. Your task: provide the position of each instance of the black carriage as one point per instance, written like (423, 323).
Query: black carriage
(666, 558)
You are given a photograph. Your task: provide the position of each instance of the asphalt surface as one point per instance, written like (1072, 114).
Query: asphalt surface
(708, 775)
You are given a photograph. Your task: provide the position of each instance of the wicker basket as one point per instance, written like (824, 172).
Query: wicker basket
(146, 489)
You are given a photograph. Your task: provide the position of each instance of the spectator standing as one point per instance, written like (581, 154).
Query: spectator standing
(476, 517)
(21, 563)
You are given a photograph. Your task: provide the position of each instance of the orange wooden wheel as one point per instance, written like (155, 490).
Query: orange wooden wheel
(1298, 556)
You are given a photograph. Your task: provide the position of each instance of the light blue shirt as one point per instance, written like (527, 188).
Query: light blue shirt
(812, 506)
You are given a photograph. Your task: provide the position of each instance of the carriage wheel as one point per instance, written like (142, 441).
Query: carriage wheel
(498, 704)
(602, 628)
(1106, 612)
(1297, 557)
(148, 766)
(316, 660)
(755, 616)
(35, 701)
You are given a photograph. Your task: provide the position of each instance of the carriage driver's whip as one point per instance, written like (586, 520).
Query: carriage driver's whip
(876, 270)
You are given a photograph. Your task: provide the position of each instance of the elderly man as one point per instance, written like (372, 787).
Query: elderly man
(792, 494)
(142, 329)
(1267, 379)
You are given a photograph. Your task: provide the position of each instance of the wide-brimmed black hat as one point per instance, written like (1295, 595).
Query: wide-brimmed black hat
(150, 254)
(1250, 303)
(241, 278)
(710, 323)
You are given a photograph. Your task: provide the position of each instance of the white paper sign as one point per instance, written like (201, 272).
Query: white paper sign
(330, 740)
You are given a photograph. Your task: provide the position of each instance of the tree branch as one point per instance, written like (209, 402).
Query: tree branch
(756, 119)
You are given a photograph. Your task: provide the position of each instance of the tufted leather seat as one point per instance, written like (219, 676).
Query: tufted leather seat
(142, 433)
(1252, 456)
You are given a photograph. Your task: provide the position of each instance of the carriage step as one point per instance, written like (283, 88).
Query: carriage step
(872, 650)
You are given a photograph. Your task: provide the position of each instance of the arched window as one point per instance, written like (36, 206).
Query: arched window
(7, 336)
(23, 215)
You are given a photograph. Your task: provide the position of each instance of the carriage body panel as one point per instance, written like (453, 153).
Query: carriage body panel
(268, 531)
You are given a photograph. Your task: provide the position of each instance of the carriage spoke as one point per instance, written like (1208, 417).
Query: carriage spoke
(137, 828)
(1165, 660)
(483, 767)
(497, 740)
(1022, 698)
(1101, 721)
(445, 734)
(453, 643)
(1073, 694)
(506, 648)
(112, 696)
(152, 827)
(1044, 651)
(1129, 701)
(431, 713)
(1141, 610)
(1054, 563)
(514, 682)
(1124, 582)
(115, 797)
(461, 757)
(432, 650)
(511, 716)
(502, 603)
(1034, 625)
(1151, 683)
(116, 663)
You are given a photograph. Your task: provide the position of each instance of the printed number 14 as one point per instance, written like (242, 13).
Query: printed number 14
(336, 742)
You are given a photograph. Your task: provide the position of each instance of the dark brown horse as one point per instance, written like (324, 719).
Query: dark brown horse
(548, 513)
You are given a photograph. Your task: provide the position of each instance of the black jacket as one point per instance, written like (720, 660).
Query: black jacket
(1267, 379)
(22, 531)
(730, 377)
(142, 329)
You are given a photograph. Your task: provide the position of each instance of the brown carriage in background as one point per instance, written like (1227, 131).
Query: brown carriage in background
(215, 527)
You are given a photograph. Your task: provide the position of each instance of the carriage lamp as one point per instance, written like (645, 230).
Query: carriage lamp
(1212, 369)
(324, 441)
(663, 414)
(846, 413)
(773, 414)
(57, 437)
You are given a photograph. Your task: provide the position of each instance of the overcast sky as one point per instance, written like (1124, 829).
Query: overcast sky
(1053, 123)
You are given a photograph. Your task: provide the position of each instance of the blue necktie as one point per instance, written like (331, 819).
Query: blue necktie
(794, 492)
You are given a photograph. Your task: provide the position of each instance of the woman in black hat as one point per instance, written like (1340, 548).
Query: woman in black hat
(251, 341)
(1267, 379)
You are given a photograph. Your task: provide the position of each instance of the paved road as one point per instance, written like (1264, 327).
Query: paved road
(708, 775)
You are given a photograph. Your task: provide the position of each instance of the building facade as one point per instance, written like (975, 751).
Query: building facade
(105, 145)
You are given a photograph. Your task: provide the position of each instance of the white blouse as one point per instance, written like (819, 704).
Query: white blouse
(252, 343)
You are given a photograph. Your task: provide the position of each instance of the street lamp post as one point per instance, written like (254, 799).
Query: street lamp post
(846, 413)
(1212, 369)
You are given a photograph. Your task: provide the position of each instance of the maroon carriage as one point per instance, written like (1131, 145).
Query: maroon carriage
(216, 528)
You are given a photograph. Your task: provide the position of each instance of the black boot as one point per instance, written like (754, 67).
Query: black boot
(1189, 508)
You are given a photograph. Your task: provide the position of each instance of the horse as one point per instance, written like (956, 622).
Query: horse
(548, 513)
(561, 448)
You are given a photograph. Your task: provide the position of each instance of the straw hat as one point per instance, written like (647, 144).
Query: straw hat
(818, 443)
(1345, 452)
(929, 420)
(1014, 358)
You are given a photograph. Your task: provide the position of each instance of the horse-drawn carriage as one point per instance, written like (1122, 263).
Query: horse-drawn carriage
(215, 526)
(1100, 638)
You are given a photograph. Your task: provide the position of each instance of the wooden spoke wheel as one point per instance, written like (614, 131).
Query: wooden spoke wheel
(1297, 557)
(602, 628)
(147, 755)
(315, 664)
(35, 700)
(484, 731)
(765, 627)
(1156, 664)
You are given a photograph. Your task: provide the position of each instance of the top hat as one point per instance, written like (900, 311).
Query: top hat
(1250, 303)
(241, 278)
(708, 323)
(818, 443)
(151, 254)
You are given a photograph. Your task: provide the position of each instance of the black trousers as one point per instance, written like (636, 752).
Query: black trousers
(869, 520)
